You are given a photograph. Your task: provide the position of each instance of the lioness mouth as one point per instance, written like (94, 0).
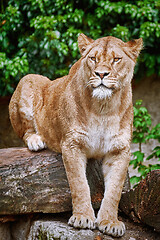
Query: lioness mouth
(102, 86)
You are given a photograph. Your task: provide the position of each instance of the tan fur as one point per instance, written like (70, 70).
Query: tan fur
(87, 114)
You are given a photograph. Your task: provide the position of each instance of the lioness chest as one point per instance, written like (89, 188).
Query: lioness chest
(101, 132)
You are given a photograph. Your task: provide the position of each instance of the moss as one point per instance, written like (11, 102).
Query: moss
(43, 234)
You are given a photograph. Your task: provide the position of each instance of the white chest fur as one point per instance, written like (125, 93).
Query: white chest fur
(100, 132)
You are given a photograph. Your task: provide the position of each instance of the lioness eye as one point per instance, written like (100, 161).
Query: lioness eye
(93, 58)
(117, 59)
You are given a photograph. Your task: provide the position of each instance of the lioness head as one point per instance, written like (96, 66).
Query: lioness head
(108, 62)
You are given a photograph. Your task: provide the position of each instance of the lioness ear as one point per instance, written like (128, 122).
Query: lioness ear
(84, 43)
(135, 47)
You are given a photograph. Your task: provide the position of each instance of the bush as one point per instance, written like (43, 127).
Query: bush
(41, 36)
(143, 131)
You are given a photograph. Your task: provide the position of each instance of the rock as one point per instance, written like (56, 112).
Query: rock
(32, 182)
(20, 229)
(5, 231)
(58, 230)
(142, 204)
(54, 226)
(36, 182)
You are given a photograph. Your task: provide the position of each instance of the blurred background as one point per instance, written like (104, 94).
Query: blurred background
(40, 36)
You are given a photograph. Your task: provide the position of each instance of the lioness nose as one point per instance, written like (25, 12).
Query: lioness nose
(102, 75)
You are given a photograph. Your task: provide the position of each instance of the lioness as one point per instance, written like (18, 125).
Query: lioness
(86, 114)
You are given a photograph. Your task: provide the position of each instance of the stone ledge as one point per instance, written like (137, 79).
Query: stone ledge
(54, 227)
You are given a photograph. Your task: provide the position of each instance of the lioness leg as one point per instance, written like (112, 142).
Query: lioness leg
(114, 170)
(31, 136)
(75, 165)
(22, 114)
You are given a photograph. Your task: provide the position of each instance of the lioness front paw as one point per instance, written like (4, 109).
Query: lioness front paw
(115, 229)
(79, 221)
(35, 143)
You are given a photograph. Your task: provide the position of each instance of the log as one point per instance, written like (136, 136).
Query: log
(142, 204)
(32, 182)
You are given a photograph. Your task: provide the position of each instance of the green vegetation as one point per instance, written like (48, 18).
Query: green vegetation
(42, 234)
(143, 131)
(40, 36)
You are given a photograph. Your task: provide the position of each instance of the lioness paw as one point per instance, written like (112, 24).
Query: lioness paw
(115, 229)
(79, 221)
(35, 143)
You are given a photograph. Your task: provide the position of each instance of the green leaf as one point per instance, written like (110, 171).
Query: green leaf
(143, 110)
(135, 179)
(139, 156)
(154, 167)
(138, 103)
(142, 169)
(134, 163)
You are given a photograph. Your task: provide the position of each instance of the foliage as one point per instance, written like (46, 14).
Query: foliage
(143, 131)
(42, 234)
(41, 36)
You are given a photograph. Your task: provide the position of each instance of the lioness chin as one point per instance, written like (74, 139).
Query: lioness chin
(86, 114)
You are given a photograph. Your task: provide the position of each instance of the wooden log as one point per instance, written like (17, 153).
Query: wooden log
(142, 204)
(36, 182)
